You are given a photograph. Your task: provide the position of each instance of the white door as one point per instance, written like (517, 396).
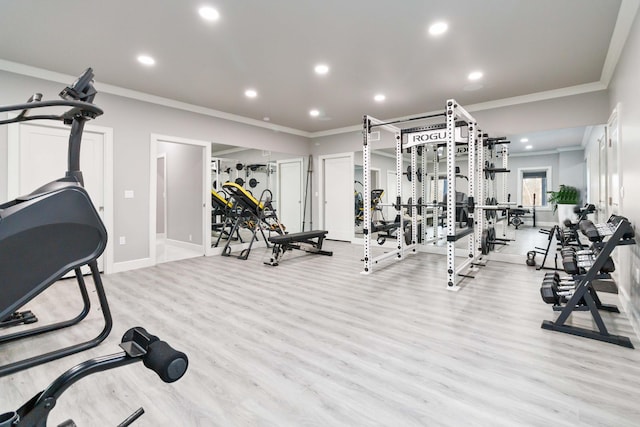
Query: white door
(41, 152)
(337, 175)
(612, 165)
(290, 191)
(602, 174)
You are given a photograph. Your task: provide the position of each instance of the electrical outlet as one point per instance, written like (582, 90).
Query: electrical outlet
(123, 240)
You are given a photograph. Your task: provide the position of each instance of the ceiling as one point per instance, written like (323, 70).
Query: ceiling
(371, 46)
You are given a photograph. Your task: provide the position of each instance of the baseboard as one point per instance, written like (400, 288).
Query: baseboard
(131, 265)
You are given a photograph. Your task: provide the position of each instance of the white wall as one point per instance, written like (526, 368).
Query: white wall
(133, 122)
(571, 111)
(571, 170)
(624, 90)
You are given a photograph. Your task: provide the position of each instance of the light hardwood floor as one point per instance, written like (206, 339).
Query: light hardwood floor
(313, 342)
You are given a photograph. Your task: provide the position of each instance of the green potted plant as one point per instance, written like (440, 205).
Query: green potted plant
(564, 200)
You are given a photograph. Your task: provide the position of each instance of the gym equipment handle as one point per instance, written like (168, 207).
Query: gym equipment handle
(164, 360)
(157, 355)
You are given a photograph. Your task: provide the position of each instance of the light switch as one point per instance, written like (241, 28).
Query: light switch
(128, 194)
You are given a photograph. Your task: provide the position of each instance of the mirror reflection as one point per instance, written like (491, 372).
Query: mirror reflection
(271, 179)
(536, 162)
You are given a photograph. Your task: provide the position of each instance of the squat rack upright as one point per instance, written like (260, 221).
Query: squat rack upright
(455, 116)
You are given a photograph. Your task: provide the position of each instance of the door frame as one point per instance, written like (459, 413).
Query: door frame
(321, 184)
(206, 184)
(614, 188)
(163, 157)
(13, 164)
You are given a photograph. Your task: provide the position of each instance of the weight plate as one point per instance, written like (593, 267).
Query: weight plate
(484, 242)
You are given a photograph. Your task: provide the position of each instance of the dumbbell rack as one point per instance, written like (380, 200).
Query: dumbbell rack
(584, 290)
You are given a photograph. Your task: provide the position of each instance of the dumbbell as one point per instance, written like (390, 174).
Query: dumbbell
(570, 265)
(552, 293)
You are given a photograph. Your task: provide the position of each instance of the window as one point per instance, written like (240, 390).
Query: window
(533, 185)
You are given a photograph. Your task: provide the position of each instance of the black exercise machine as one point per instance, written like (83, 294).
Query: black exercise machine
(223, 208)
(138, 346)
(253, 213)
(385, 229)
(308, 241)
(53, 230)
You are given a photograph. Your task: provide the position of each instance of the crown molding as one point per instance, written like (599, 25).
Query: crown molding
(27, 70)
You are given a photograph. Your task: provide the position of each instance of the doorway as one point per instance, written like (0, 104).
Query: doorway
(179, 198)
(336, 198)
(37, 154)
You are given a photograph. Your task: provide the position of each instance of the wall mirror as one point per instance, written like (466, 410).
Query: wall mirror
(267, 176)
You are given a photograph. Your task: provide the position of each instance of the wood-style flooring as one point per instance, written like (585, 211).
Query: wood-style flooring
(313, 342)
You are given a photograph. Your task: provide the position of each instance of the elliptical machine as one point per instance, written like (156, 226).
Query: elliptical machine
(138, 346)
(53, 230)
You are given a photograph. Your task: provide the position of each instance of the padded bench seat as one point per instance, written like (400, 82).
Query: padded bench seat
(308, 241)
(283, 239)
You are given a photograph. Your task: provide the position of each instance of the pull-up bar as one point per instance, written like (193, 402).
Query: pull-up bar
(428, 116)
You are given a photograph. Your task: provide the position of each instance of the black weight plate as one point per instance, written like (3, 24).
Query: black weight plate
(239, 181)
(484, 242)
(407, 235)
(487, 212)
(492, 238)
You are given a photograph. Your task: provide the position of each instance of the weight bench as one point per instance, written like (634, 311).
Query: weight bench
(308, 241)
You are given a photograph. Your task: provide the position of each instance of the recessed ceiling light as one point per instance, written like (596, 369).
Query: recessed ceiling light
(250, 93)
(524, 140)
(379, 97)
(266, 119)
(438, 28)
(146, 60)
(314, 113)
(209, 13)
(476, 75)
(528, 147)
(321, 69)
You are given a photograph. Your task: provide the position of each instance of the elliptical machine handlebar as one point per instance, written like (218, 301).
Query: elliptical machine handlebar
(138, 345)
(79, 96)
